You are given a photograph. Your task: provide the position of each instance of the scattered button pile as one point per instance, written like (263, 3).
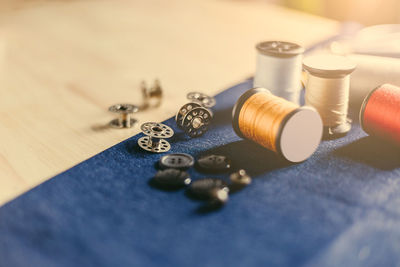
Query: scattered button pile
(214, 191)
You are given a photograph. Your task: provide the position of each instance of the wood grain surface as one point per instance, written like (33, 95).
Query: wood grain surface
(63, 63)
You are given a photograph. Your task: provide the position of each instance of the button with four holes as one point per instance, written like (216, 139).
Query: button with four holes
(155, 135)
(177, 161)
(214, 163)
(171, 179)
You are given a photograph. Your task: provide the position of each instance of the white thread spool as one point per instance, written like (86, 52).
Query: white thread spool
(327, 90)
(279, 66)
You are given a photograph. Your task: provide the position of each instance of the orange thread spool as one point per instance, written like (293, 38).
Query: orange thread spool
(281, 126)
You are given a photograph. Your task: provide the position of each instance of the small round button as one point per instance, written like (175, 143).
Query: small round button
(171, 178)
(214, 163)
(176, 161)
(207, 188)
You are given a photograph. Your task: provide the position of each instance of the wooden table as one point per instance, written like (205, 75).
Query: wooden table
(64, 63)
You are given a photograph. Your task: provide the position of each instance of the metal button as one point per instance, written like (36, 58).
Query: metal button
(177, 161)
(171, 178)
(214, 163)
(208, 188)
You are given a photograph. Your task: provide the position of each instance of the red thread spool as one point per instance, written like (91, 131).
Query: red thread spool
(380, 113)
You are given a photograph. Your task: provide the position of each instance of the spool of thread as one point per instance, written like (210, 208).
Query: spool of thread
(380, 113)
(279, 69)
(327, 90)
(371, 72)
(281, 126)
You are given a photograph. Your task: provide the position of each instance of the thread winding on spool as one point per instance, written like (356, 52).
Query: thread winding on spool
(281, 126)
(279, 69)
(327, 90)
(380, 113)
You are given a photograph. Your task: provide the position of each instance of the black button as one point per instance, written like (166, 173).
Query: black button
(177, 161)
(207, 188)
(214, 163)
(171, 178)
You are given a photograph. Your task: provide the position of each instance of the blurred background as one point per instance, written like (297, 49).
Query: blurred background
(367, 12)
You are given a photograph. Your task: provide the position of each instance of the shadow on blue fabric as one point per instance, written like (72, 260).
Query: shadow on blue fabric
(372, 151)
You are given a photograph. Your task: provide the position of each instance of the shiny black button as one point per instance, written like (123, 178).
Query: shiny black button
(208, 188)
(171, 178)
(214, 163)
(176, 161)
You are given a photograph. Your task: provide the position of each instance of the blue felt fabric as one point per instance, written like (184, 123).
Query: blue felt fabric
(339, 208)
